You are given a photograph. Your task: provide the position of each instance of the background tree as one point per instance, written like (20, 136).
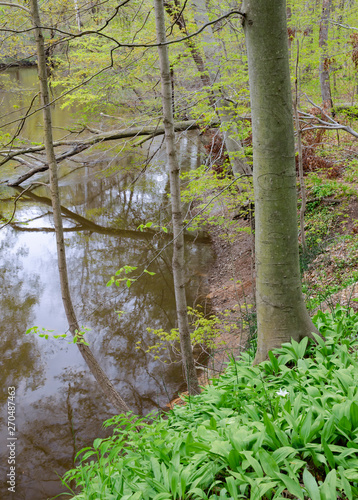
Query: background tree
(324, 62)
(103, 381)
(177, 218)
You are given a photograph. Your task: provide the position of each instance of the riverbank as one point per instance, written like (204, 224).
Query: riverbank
(232, 288)
(17, 63)
(329, 268)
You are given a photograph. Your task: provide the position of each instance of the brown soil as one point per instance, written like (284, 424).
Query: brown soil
(231, 290)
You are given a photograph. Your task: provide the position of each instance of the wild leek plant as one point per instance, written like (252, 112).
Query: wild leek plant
(287, 428)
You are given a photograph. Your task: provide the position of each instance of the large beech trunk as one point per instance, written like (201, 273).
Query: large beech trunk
(178, 245)
(101, 378)
(281, 312)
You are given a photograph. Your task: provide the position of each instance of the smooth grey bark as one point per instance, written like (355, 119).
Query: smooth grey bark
(177, 218)
(281, 311)
(101, 378)
(324, 57)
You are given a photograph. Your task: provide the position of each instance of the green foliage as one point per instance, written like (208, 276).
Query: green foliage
(117, 281)
(78, 338)
(351, 172)
(205, 330)
(149, 225)
(203, 184)
(319, 188)
(286, 426)
(127, 270)
(334, 270)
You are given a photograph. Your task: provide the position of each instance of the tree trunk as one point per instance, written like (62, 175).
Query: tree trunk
(102, 379)
(324, 61)
(281, 312)
(178, 246)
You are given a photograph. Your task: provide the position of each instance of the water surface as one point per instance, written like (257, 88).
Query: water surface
(59, 409)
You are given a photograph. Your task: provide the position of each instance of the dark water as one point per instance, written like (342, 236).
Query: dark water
(58, 406)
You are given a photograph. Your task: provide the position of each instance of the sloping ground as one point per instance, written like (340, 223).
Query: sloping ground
(330, 268)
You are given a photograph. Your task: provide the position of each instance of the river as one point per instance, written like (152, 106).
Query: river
(59, 408)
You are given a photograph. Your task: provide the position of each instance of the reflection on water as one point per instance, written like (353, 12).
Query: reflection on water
(58, 406)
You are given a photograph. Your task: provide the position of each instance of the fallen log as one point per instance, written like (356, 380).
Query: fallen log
(77, 145)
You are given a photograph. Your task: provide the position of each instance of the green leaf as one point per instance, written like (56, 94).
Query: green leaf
(306, 427)
(138, 495)
(232, 488)
(281, 453)
(311, 486)
(96, 443)
(293, 486)
(328, 488)
(253, 463)
(353, 413)
(302, 346)
(274, 361)
(268, 463)
(345, 484)
(110, 282)
(149, 272)
(156, 468)
(328, 453)
(163, 496)
(271, 432)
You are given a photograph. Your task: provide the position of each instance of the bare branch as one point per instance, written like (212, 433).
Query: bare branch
(7, 4)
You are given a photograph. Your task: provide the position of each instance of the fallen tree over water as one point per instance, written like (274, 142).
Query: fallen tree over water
(27, 155)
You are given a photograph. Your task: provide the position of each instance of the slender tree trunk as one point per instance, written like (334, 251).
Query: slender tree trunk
(172, 7)
(281, 312)
(102, 379)
(324, 57)
(212, 50)
(178, 250)
(209, 70)
(300, 155)
(78, 15)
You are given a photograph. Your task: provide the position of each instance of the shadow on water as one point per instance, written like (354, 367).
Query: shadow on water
(59, 409)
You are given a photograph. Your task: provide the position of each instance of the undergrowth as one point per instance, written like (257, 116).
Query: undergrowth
(287, 428)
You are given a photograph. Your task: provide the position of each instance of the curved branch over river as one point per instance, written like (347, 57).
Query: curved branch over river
(77, 146)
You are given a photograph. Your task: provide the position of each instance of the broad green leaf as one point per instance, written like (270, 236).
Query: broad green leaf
(311, 485)
(328, 489)
(268, 463)
(274, 361)
(293, 486)
(328, 453)
(345, 484)
(232, 488)
(96, 443)
(353, 413)
(306, 427)
(253, 463)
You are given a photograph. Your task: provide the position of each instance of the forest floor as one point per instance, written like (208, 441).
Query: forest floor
(329, 267)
